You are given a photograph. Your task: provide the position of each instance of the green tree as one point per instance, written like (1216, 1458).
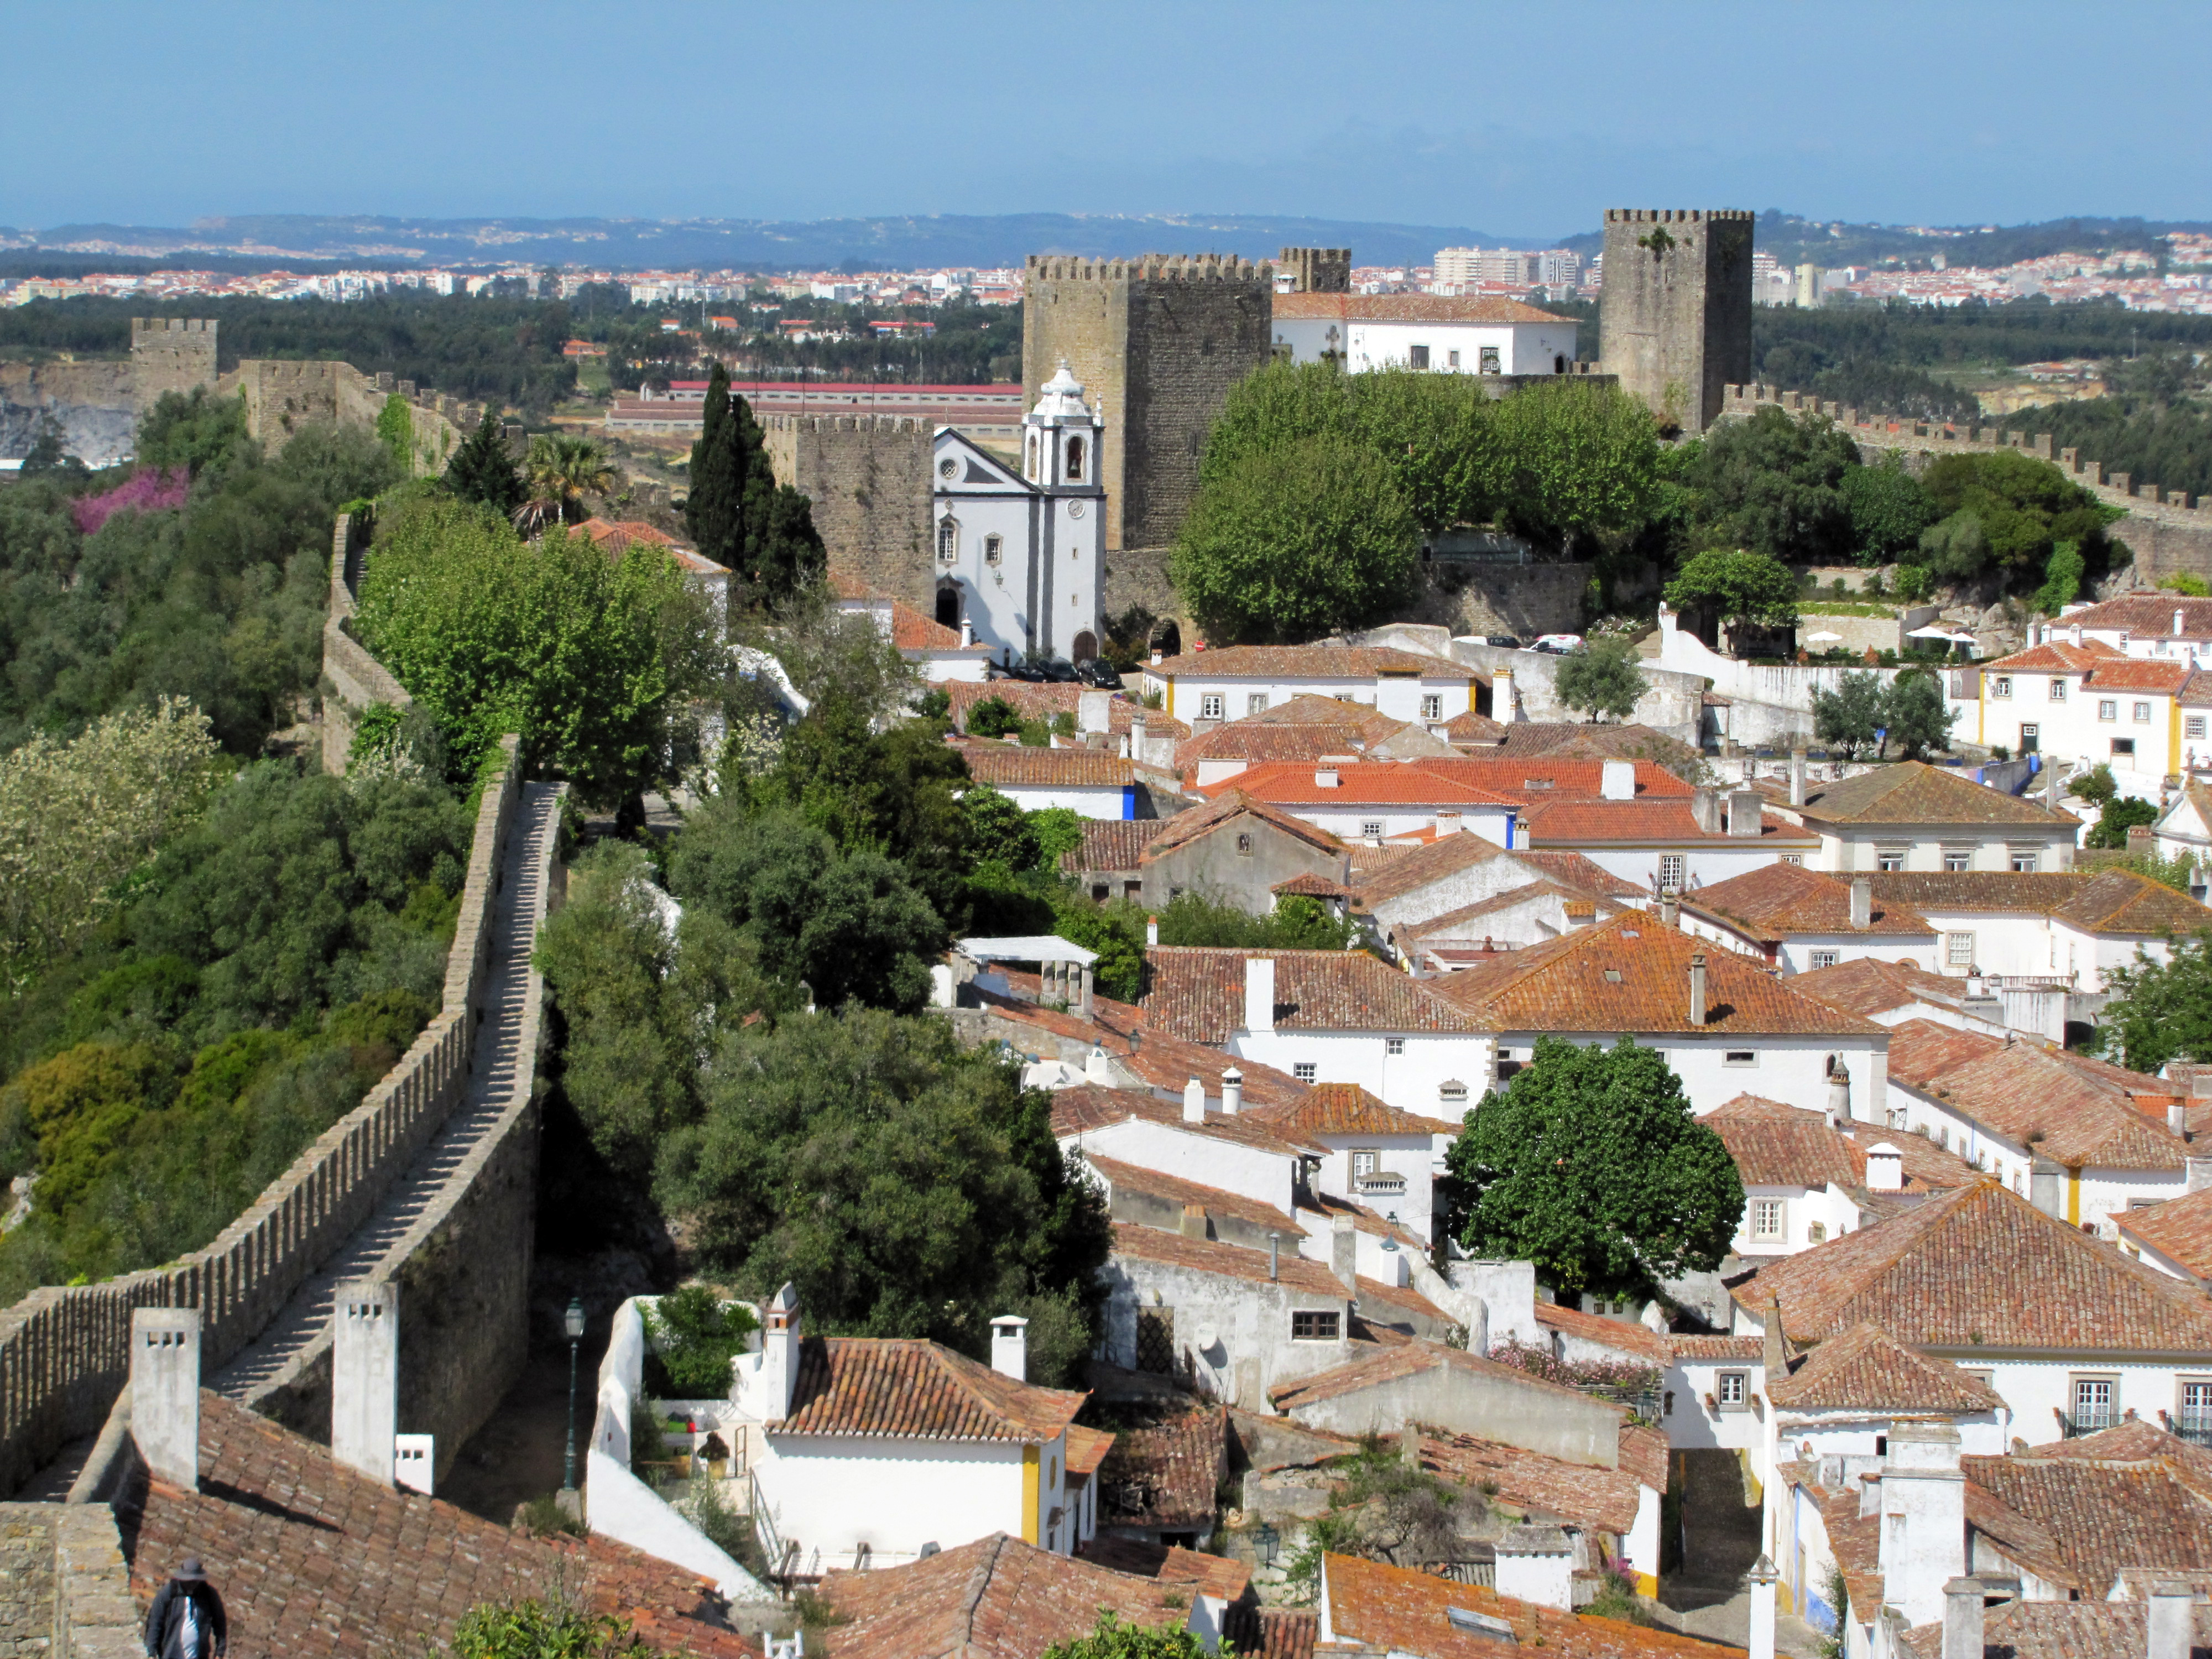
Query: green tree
(992, 717)
(1774, 484)
(49, 450)
(1888, 508)
(908, 1187)
(1602, 678)
(482, 469)
(998, 829)
(1738, 587)
(2008, 509)
(196, 430)
(2062, 579)
(2097, 786)
(1571, 460)
(1915, 715)
(1592, 1166)
(2114, 819)
(714, 510)
(595, 661)
(533, 1629)
(1112, 1640)
(395, 431)
(562, 471)
(1296, 542)
(2159, 1010)
(1847, 718)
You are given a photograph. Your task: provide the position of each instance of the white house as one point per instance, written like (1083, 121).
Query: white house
(1670, 843)
(2169, 626)
(1233, 1150)
(1891, 993)
(2083, 700)
(1799, 919)
(1021, 556)
(1911, 816)
(1375, 800)
(2184, 831)
(885, 1450)
(1239, 680)
(1800, 1180)
(2175, 1237)
(1324, 1017)
(1725, 1026)
(1443, 334)
(1376, 1154)
(943, 653)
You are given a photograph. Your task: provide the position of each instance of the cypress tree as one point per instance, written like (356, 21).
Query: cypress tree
(721, 469)
(482, 469)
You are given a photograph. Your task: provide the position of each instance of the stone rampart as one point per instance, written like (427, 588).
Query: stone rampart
(65, 1350)
(2168, 533)
(355, 680)
(867, 478)
(283, 395)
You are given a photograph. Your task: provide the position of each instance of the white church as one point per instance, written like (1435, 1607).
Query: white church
(1021, 557)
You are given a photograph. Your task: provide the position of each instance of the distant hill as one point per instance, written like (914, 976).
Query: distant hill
(1793, 239)
(898, 243)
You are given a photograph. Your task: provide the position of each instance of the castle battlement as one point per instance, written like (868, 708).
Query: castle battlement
(774, 422)
(1149, 267)
(144, 327)
(1675, 216)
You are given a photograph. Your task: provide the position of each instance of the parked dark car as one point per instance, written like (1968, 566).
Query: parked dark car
(1506, 640)
(1015, 671)
(1059, 670)
(1098, 672)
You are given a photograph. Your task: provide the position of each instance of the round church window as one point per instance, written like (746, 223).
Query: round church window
(946, 468)
(1075, 509)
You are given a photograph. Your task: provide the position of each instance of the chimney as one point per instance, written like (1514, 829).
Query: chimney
(1924, 1506)
(1152, 933)
(1009, 1346)
(1097, 1068)
(1580, 912)
(365, 1376)
(1962, 1619)
(2043, 1188)
(1839, 1095)
(1501, 695)
(1447, 821)
(2076, 634)
(1136, 733)
(2176, 1118)
(1092, 710)
(1760, 1641)
(1274, 1256)
(1083, 995)
(1344, 1255)
(2172, 1620)
(779, 1371)
(1232, 1092)
(2199, 1174)
(1697, 988)
(1705, 808)
(1670, 909)
(165, 1392)
(2177, 623)
(1325, 777)
(1258, 994)
(1861, 902)
(1193, 1225)
(1618, 780)
(1885, 1167)
(1743, 812)
(1797, 777)
(2139, 839)
(967, 635)
(1193, 1101)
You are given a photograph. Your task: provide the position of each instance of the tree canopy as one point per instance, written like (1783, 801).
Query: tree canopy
(737, 514)
(482, 469)
(2159, 1010)
(1604, 677)
(1739, 588)
(1848, 717)
(1774, 484)
(1591, 1165)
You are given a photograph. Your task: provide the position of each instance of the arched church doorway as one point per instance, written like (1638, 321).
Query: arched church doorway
(1086, 646)
(948, 604)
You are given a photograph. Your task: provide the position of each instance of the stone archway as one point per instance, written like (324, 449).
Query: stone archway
(1167, 638)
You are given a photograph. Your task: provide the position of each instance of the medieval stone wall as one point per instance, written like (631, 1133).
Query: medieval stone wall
(868, 480)
(1676, 324)
(1318, 270)
(170, 353)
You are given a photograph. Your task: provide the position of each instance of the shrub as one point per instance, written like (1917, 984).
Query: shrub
(695, 1336)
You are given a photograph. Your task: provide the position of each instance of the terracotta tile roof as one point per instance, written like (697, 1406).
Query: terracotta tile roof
(1275, 1632)
(1041, 700)
(1086, 1448)
(1947, 1272)
(1665, 819)
(1211, 1575)
(2197, 690)
(912, 631)
(1602, 1500)
(1866, 1369)
(1535, 778)
(1464, 920)
(2057, 657)
(2148, 616)
(1573, 870)
(2020, 1090)
(1176, 1190)
(1779, 901)
(1358, 783)
(623, 532)
(1168, 1062)
(846, 586)
(2181, 1229)
(1411, 308)
(1867, 987)
(1088, 1106)
(1112, 844)
(1628, 974)
(2138, 674)
(1198, 994)
(1166, 1468)
(1224, 809)
(1308, 662)
(1622, 1335)
(2136, 1499)
(1398, 1610)
(1393, 1364)
(1327, 1207)
(1231, 1260)
(2122, 902)
(915, 1390)
(1310, 886)
(1576, 740)
(1855, 1541)
(1258, 742)
(1002, 764)
(1379, 1303)
(1778, 1145)
(1714, 1349)
(1645, 1452)
(1473, 728)
(1914, 792)
(2100, 902)
(2065, 1630)
(1345, 1109)
(997, 1598)
(1926, 1167)
(1447, 856)
(1311, 708)
(312, 1557)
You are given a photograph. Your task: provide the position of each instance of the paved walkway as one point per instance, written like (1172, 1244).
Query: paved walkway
(497, 1069)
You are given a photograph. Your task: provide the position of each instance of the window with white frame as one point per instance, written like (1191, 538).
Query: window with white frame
(2057, 689)
(2096, 1402)
(1432, 708)
(948, 540)
(2143, 713)
(2023, 862)
(1816, 1232)
(1732, 1389)
(1819, 959)
(995, 549)
(2001, 685)
(1670, 873)
(1304, 1070)
(1209, 707)
(1889, 858)
(1959, 950)
(1954, 860)
(1767, 1220)
(2107, 710)
(1371, 828)
(1257, 703)
(2192, 726)
(1394, 1045)
(1366, 1161)
(2194, 1420)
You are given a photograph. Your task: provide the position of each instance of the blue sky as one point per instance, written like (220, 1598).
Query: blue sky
(1524, 120)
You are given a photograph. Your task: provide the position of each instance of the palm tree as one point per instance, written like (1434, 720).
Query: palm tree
(561, 471)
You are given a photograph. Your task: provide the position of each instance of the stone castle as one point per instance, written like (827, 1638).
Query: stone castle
(1676, 323)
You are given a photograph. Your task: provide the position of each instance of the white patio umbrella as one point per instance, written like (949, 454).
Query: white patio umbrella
(1824, 637)
(1932, 631)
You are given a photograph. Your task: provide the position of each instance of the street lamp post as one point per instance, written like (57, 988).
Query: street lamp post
(573, 1323)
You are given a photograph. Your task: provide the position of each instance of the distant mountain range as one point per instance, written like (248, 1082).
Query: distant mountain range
(302, 241)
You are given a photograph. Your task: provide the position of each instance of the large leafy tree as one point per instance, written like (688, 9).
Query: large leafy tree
(1740, 587)
(595, 661)
(907, 1186)
(1774, 484)
(1916, 715)
(1888, 508)
(2161, 1010)
(1847, 718)
(1591, 1166)
(482, 469)
(1604, 678)
(1570, 460)
(1294, 542)
(2008, 509)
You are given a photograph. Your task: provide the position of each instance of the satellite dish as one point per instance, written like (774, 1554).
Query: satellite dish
(1207, 1338)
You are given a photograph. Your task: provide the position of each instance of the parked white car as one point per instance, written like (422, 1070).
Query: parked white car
(1558, 645)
